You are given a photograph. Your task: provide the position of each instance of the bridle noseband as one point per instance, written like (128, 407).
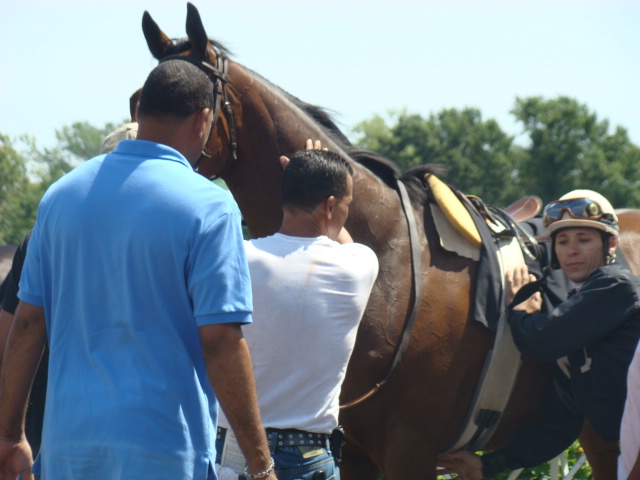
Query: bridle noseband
(219, 76)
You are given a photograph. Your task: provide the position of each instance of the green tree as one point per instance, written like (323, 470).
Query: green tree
(13, 181)
(82, 141)
(477, 152)
(570, 148)
(12, 169)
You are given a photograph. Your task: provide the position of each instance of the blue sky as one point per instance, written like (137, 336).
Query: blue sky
(70, 61)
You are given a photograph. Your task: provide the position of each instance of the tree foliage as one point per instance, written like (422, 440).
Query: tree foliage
(568, 147)
(14, 182)
(475, 151)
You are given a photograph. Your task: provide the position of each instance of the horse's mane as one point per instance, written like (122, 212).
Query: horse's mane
(417, 185)
(384, 168)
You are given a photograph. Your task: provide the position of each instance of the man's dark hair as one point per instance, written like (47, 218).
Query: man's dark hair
(177, 89)
(313, 176)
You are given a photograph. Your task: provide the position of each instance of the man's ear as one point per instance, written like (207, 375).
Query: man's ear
(200, 122)
(284, 161)
(329, 203)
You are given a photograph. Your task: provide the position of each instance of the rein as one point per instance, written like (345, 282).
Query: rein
(219, 76)
(412, 315)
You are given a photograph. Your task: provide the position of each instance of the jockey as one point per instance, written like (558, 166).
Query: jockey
(591, 338)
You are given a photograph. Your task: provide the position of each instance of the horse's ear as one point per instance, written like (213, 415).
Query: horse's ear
(195, 32)
(157, 41)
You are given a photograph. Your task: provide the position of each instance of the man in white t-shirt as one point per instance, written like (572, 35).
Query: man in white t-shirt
(310, 286)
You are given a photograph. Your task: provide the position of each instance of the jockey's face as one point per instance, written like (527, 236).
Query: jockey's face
(580, 252)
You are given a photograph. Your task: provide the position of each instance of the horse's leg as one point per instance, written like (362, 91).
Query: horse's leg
(356, 465)
(602, 456)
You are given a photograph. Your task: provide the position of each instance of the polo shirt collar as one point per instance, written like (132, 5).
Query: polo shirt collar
(147, 149)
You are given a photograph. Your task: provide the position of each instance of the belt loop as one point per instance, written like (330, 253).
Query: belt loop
(272, 439)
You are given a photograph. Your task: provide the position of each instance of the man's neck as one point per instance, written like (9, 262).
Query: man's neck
(302, 225)
(172, 135)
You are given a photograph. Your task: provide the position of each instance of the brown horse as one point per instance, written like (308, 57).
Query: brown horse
(400, 429)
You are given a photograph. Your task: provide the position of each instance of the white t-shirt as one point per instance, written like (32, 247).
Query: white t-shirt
(309, 295)
(630, 428)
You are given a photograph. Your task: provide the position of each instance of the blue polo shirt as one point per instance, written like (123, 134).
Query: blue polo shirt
(130, 253)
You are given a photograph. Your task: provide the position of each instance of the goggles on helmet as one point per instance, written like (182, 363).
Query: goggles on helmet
(578, 208)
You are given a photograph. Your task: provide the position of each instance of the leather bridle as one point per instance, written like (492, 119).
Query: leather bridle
(219, 76)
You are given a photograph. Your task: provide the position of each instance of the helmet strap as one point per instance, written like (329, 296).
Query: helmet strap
(609, 258)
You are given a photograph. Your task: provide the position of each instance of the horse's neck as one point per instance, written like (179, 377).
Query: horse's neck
(287, 126)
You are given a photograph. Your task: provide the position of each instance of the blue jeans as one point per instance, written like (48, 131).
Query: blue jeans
(291, 464)
(299, 463)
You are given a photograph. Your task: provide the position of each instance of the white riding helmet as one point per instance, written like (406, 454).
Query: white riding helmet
(581, 208)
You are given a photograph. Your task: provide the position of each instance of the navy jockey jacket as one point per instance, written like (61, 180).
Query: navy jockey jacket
(591, 337)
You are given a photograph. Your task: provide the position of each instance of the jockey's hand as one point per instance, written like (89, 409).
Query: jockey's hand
(516, 279)
(466, 465)
(310, 145)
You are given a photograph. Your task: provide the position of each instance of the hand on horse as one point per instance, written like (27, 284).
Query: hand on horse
(310, 145)
(464, 464)
(516, 279)
(314, 145)
(15, 458)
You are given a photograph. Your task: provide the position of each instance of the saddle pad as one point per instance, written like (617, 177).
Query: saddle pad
(453, 210)
(450, 238)
(509, 256)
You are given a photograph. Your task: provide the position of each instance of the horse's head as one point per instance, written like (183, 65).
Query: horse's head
(255, 129)
(212, 59)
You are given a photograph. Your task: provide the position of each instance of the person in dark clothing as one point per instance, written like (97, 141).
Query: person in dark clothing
(591, 337)
(9, 302)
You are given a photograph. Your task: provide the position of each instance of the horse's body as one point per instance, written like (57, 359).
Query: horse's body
(400, 429)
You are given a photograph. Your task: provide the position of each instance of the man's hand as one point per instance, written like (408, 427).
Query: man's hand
(466, 465)
(516, 279)
(310, 145)
(15, 458)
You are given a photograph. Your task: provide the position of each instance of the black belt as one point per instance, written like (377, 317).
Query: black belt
(289, 437)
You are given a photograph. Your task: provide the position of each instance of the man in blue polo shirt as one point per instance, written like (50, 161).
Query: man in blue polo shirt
(136, 274)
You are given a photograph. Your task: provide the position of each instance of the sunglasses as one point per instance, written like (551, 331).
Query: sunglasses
(578, 208)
